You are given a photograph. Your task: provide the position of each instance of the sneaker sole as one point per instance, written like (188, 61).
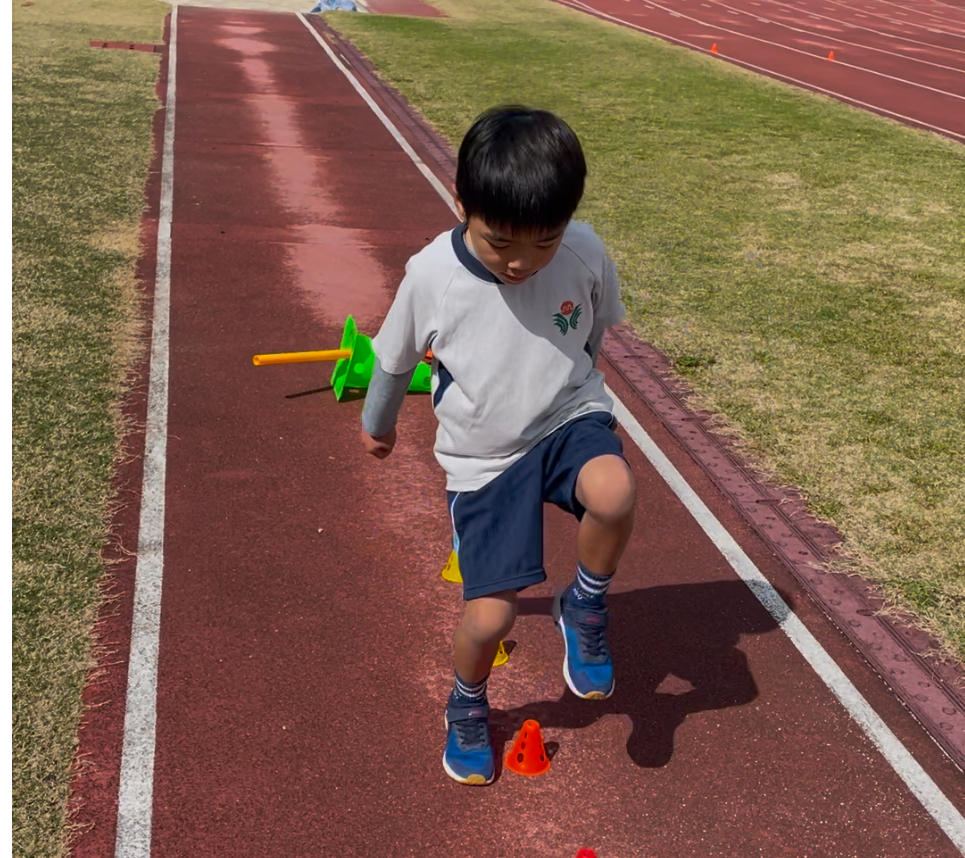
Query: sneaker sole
(471, 780)
(590, 695)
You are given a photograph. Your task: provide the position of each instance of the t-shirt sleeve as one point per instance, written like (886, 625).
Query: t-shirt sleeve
(407, 331)
(608, 309)
(383, 400)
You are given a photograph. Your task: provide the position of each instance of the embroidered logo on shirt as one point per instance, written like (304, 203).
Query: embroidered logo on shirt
(568, 318)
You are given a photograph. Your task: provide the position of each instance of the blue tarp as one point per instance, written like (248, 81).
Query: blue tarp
(335, 6)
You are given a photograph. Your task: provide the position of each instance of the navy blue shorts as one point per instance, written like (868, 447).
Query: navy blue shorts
(498, 529)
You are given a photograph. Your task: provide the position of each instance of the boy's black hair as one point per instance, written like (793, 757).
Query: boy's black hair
(520, 169)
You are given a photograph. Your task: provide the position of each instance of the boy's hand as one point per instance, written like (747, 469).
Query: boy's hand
(379, 447)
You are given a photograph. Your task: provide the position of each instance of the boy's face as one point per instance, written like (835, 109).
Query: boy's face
(512, 257)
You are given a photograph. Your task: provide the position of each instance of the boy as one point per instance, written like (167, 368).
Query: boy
(513, 303)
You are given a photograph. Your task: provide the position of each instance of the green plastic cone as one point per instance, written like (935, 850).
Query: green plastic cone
(355, 372)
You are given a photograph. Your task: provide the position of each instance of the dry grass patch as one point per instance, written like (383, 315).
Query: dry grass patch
(81, 147)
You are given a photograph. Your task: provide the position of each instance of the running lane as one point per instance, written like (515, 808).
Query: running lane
(907, 73)
(304, 652)
(792, 29)
(837, 22)
(928, 14)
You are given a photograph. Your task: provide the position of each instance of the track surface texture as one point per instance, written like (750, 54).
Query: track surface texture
(305, 633)
(904, 59)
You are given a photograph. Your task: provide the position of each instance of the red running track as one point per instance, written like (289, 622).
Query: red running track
(303, 655)
(905, 61)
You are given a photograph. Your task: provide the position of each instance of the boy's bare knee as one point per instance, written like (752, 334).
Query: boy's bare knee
(490, 617)
(606, 488)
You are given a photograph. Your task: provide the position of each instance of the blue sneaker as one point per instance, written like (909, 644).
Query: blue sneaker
(587, 665)
(468, 757)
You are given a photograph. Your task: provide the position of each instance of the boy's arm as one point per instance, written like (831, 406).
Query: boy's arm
(401, 342)
(383, 400)
(608, 309)
(399, 347)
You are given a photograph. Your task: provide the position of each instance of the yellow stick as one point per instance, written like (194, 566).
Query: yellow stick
(307, 357)
(301, 357)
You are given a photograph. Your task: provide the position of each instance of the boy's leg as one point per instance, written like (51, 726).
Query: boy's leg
(485, 622)
(468, 757)
(498, 537)
(605, 489)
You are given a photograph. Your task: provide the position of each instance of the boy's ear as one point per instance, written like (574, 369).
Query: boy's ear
(458, 202)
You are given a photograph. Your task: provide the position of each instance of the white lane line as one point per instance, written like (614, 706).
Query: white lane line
(948, 6)
(891, 748)
(827, 37)
(924, 25)
(904, 11)
(890, 36)
(583, 7)
(864, 69)
(136, 791)
(904, 764)
(430, 176)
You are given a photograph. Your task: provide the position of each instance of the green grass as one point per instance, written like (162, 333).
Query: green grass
(801, 262)
(81, 148)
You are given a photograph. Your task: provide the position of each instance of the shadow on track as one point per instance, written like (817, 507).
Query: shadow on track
(675, 652)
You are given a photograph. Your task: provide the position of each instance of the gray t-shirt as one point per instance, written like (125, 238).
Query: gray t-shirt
(511, 363)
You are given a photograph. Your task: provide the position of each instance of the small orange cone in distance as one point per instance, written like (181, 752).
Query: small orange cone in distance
(528, 756)
(831, 56)
(586, 853)
(713, 48)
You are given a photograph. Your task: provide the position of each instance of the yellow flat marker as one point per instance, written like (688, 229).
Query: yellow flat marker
(450, 571)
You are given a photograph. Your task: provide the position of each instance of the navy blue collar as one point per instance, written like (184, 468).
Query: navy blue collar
(469, 261)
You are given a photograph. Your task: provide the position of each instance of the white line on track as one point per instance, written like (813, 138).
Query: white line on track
(903, 10)
(851, 23)
(432, 178)
(891, 748)
(899, 23)
(947, 6)
(583, 7)
(136, 791)
(827, 37)
(905, 765)
(808, 53)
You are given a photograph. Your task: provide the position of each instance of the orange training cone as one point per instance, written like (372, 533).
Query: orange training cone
(586, 853)
(831, 56)
(713, 48)
(528, 756)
